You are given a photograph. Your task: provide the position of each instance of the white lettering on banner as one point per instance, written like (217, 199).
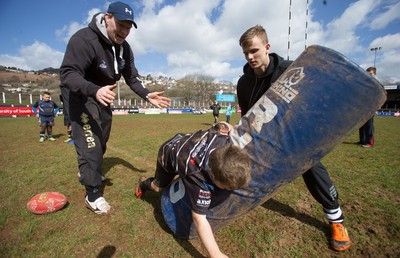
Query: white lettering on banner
(175, 196)
(263, 112)
(87, 131)
(283, 86)
(19, 111)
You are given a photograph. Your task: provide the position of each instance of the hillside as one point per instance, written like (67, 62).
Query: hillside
(18, 78)
(16, 81)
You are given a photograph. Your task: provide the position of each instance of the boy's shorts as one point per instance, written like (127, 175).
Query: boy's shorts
(47, 121)
(163, 177)
(165, 171)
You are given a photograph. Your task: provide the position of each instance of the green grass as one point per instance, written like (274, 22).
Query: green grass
(291, 224)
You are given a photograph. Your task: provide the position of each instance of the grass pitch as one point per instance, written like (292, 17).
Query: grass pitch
(291, 224)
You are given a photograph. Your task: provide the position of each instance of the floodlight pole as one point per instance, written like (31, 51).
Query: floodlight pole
(290, 18)
(305, 32)
(375, 49)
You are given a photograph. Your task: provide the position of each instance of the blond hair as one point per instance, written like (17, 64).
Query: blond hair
(256, 31)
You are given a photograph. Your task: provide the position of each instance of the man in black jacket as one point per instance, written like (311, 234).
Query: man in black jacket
(263, 69)
(94, 61)
(215, 107)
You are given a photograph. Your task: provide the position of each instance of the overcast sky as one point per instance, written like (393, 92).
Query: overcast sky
(176, 38)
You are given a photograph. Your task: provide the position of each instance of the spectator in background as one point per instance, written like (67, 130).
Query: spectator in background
(228, 113)
(47, 111)
(95, 59)
(215, 108)
(367, 131)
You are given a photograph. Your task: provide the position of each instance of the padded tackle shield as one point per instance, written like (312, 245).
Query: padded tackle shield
(316, 103)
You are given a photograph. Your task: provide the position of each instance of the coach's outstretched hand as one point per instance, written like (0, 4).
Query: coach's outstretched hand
(158, 100)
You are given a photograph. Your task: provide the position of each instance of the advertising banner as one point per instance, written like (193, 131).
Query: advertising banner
(225, 98)
(16, 111)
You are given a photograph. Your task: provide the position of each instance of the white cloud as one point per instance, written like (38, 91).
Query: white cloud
(387, 60)
(67, 31)
(192, 41)
(192, 36)
(14, 61)
(39, 55)
(184, 33)
(184, 26)
(390, 41)
(341, 34)
(383, 19)
(34, 57)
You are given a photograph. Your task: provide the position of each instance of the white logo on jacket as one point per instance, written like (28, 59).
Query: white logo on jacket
(103, 65)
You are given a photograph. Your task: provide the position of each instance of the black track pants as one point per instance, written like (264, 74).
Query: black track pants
(321, 186)
(91, 125)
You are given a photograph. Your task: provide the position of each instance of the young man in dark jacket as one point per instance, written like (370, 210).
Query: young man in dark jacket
(94, 61)
(260, 72)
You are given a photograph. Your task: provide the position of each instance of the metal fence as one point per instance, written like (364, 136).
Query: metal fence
(10, 98)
